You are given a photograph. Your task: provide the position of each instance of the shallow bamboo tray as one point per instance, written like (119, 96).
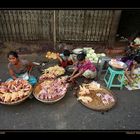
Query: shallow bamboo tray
(37, 90)
(95, 105)
(18, 101)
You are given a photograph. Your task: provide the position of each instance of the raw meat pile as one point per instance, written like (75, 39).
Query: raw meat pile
(14, 90)
(84, 91)
(106, 98)
(85, 99)
(52, 72)
(55, 70)
(46, 76)
(88, 93)
(53, 89)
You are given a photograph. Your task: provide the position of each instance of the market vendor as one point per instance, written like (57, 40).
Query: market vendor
(132, 57)
(19, 68)
(65, 58)
(83, 68)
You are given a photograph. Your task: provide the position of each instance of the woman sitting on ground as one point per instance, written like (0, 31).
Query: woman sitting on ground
(83, 68)
(65, 58)
(19, 68)
(132, 57)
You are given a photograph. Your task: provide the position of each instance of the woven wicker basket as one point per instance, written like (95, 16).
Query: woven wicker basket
(37, 90)
(18, 101)
(100, 107)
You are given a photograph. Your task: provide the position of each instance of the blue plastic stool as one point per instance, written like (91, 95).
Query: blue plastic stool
(113, 73)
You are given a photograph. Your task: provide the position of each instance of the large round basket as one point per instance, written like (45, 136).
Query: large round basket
(37, 90)
(18, 101)
(99, 107)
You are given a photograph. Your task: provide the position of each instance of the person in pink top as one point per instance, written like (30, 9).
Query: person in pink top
(83, 68)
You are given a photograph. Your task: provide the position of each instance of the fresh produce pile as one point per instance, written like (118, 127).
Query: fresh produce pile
(51, 55)
(91, 55)
(95, 96)
(52, 89)
(12, 91)
(52, 72)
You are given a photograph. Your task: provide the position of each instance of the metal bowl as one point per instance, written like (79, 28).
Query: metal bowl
(122, 65)
(77, 51)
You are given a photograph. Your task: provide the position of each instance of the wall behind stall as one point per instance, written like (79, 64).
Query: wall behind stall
(59, 25)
